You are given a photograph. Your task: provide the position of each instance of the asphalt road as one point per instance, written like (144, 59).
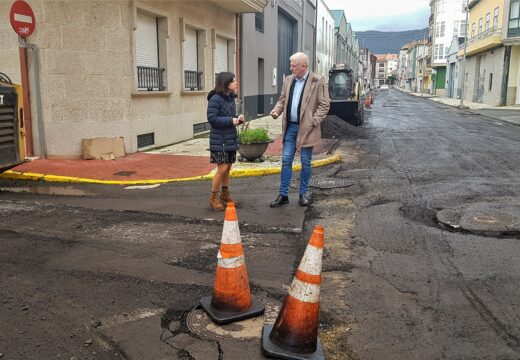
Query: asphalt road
(103, 272)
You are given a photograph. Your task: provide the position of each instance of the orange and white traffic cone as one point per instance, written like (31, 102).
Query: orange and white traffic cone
(294, 335)
(231, 300)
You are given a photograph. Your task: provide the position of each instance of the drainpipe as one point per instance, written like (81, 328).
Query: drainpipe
(27, 119)
(37, 95)
(303, 26)
(238, 28)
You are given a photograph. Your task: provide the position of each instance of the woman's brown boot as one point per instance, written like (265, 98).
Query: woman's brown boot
(214, 202)
(225, 196)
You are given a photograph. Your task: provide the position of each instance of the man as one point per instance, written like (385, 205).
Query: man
(305, 103)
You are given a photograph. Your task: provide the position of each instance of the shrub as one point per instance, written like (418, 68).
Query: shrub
(250, 136)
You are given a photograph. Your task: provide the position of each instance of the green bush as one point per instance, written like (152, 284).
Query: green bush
(249, 136)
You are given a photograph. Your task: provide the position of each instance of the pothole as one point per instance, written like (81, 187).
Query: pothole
(199, 323)
(48, 190)
(489, 218)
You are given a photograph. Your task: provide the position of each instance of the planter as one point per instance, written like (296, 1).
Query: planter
(253, 151)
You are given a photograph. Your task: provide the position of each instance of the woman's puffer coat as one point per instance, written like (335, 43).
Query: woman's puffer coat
(221, 111)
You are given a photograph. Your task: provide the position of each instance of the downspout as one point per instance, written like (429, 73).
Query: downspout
(303, 26)
(238, 29)
(37, 96)
(27, 118)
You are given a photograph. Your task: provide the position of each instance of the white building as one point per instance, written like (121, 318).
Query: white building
(448, 19)
(325, 52)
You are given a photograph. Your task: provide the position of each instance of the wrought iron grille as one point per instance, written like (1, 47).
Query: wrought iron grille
(150, 78)
(193, 80)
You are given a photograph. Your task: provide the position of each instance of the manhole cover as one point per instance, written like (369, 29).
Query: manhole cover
(329, 182)
(124, 173)
(496, 218)
(200, 324)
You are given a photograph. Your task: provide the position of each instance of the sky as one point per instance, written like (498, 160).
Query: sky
(384, 15)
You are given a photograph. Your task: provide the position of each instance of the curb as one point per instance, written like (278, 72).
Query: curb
(19, 175)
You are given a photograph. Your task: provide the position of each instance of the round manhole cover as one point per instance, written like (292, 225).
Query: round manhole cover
(483, 217)
(200, 323)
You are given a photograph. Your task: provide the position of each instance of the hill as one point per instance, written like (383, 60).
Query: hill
(383, 42)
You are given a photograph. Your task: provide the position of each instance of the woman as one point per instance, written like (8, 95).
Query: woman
(223, 137)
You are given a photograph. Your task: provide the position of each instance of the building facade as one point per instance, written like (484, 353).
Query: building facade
(511, 39)
(487, 59)
(139, 70)
(325, 49)
(269, 38)
(448, 19)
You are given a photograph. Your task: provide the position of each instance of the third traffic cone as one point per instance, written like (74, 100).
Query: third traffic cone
(294, 335)
(231, 300)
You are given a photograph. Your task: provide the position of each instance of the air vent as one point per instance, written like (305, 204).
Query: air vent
(145, 140)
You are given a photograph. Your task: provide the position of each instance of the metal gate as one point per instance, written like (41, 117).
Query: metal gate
(451, 84)
(286, 46)
(9, 132)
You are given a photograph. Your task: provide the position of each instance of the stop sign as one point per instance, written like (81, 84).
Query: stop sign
(22, 18)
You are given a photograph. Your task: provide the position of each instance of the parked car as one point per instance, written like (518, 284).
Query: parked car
(384, 87)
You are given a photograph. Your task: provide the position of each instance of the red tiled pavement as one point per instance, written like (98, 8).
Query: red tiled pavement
(137, 166)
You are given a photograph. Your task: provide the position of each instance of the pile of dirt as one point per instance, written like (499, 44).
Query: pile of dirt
(335, 128)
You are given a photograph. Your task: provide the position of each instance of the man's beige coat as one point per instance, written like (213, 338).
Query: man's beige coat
(314, 109)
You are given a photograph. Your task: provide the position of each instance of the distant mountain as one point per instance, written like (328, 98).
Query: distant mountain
(383, 42)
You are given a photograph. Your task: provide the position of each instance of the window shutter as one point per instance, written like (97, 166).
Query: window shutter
(146, 41)
(221, 55)
(190, 50)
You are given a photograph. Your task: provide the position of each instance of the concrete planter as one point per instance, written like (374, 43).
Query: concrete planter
(253, 151)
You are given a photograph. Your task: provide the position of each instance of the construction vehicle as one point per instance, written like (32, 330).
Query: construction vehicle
(346, 96)
(12, 141)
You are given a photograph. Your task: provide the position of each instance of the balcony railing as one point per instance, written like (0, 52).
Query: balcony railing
(485, 34)
(193, 80)
(150, 78)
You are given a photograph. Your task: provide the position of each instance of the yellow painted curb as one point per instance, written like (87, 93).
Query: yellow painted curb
(18, 175)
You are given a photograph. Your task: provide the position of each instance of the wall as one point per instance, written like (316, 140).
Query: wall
(492, 62)
(88, 79)
(513, 88)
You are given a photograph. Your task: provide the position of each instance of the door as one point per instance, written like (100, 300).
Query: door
(286, 46)
(451, 85)
(261, 76)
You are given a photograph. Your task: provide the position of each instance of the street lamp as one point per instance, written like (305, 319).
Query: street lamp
(463, 67)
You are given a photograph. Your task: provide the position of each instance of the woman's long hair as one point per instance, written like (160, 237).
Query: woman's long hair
(223, 80)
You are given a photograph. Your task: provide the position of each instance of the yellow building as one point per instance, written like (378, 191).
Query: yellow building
(486, 55)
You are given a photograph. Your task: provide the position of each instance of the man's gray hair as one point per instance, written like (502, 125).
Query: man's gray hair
(300, 58)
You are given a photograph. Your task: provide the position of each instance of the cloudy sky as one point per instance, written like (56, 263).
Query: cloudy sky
(384, 15)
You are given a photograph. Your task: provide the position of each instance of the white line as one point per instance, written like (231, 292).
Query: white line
(23, 18)
(305, 292)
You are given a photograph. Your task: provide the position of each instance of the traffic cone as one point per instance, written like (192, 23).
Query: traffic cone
(231, 300)
(294, 335)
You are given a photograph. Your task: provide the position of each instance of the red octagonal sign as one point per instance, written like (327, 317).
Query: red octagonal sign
(22, 18)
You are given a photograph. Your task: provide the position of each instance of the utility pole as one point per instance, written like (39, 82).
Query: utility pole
(462, 73)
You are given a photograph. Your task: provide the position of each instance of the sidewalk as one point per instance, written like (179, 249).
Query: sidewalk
(510, 114)
(184, 161)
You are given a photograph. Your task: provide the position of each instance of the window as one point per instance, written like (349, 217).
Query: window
(456, 28)
(480, 23)
(495, 19)
(473, 30)
(439, 52)
(220, 56)
(488, 16)
(149, 52)
(514, 18)
(490, 81)
(193, 62)
(259, 22)
(440, 29)
(463, 29)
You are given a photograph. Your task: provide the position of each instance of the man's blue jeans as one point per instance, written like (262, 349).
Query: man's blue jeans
(289, 149)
